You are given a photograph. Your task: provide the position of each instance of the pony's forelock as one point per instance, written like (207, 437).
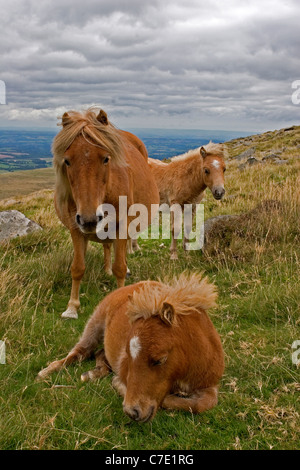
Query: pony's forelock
(187, 293)
(95, 133)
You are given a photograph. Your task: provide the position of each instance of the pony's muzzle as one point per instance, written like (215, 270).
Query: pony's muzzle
(88, 224)
(135, 413)
(218, 192)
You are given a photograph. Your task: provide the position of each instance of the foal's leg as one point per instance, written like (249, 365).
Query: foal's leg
(107, 258)
(88, 343)
(200, 401)
(119, 267)
(77, 272)
(101, 370)
(188, 227)
(173, 247)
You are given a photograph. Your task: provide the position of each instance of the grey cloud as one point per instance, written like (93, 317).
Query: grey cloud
(215, 64)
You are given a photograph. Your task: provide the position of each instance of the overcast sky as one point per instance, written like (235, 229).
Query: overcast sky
(152, 63)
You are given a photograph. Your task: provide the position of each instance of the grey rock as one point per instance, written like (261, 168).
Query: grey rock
(14, 224)
(246, 154)
(211, 223)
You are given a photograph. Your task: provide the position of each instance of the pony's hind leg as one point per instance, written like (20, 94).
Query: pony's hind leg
(107, 258)
(119, 267)
(101, 370)
(200, 401)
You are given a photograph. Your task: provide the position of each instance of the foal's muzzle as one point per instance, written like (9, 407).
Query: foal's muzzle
(218, 193)
(135, 413)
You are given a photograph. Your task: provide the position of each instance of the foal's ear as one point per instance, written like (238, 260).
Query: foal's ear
(203, 152)
(102, 117)
(65, 119)
(167, 313)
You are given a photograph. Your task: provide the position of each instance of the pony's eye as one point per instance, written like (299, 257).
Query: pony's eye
(224, 170)
(67, 162)
(206, 171)
(106, 160)
(158, 362)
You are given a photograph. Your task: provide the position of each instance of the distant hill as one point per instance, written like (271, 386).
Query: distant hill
(20, 183)
(283, 143)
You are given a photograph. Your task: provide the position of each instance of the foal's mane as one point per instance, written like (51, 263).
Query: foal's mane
(217, 150)
(187, 293)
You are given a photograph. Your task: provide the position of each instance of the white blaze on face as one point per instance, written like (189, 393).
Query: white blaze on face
(216, 164)
(134, 347)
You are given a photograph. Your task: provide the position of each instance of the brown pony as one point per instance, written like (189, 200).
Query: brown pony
(185, 178)
(159, 341)
(95, 163)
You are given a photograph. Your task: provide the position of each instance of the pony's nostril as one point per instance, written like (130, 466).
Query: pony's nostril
(78, 219)
(133, 413)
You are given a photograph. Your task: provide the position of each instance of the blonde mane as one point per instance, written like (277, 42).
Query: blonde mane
(84, 124)
(106, 136)
(211, 149)
(187, 293)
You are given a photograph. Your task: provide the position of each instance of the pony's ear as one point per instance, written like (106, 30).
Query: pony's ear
(65, 119)
(203, 152)
(102, 117)
(167, 313)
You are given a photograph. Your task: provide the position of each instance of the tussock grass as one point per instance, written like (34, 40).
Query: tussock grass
(255, 265)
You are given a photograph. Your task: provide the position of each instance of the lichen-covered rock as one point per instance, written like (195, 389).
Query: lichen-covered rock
(14, 224)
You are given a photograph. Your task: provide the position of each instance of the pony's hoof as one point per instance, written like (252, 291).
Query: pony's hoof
(86, 377)
(136, 247)
(174, 256)
(70, 313)
(128, 274)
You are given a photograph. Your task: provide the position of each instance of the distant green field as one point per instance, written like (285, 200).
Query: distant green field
(20, 183)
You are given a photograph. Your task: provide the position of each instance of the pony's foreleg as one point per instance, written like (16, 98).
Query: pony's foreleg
(101, 370)
(200, 401)
(119, 267)
(88, 343)
(107, 258)
(77, 272)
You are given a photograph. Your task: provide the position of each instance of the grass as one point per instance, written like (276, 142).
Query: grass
(256, 268)
(19, 183)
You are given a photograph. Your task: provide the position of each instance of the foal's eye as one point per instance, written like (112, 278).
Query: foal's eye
(224, 170)
(67, 162)
(106, 160)
(206, 171)
(158, 362)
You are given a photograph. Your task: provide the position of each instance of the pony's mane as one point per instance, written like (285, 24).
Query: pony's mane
(95, 132)
(187, 293)
(218, 150)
